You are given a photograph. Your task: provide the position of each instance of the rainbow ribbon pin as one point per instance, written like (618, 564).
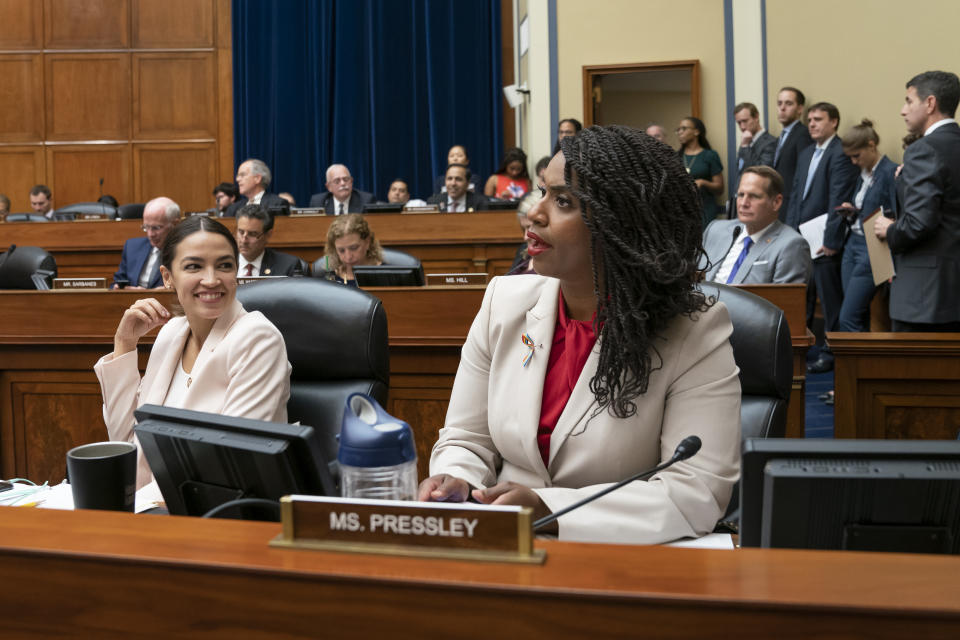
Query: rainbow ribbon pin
(528, 341)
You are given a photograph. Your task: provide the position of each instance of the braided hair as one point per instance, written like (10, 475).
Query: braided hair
(643, 213)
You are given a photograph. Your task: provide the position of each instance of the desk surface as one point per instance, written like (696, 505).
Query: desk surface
(119, 572)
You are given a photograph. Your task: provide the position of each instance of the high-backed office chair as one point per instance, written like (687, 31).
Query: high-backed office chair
(71, 211)
(762, 350)
(390, 256)
(132, 211)
(336, 339)
(26, 217)
(27, 268)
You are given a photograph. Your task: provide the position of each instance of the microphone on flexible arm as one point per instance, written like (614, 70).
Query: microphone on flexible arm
(100, 199)
(686, 449)
(737, 230)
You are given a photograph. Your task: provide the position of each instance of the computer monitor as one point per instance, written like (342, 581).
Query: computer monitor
(383, 207)
(389, 275)
(864, 495)
(202, 460)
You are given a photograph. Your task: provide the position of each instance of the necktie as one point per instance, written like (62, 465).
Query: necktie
(453, 206)
(249, 269)
(150, 268)
(747, 242)
(340, 211)
(812, 170)
(783, 138)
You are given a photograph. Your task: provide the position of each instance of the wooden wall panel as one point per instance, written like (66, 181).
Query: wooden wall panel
(88, 96)
(224, 88)
(86, 24)
(22, 22)
(21, 91)
(75, 172)
(173, 96)
(172, 23)
(185, 173)
(21, 168)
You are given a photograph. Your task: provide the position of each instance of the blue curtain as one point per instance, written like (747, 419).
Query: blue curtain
(382, 86)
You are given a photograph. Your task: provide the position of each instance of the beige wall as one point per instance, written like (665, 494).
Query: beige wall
(863, 75)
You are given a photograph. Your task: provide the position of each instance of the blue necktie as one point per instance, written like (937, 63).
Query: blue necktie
(812, 170)
(747, 242)
(783, 138)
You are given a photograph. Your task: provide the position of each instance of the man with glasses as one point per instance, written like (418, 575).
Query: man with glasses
(254, 228)
(253, 180)
(140, 260)
(340, 196)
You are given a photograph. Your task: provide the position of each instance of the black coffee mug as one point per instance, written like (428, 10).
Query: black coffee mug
(103, 475)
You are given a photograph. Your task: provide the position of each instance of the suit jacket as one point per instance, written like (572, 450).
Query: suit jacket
(882, 192)
(326, 201)
(473, 201)
(925, 239)
(782, 255)
(267, 201)
(132, 260)
(241, 371)
(786, 163)
(832, 185)
(278, 263)
(760, 152)
(490, 433)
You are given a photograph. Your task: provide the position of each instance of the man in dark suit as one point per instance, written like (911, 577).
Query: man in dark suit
(925, 238)
(340, 196)
(793, 139)
(825, 179)
(140, 261)
(756, 145)
(253, 180)
(254, 228)
(457, 198)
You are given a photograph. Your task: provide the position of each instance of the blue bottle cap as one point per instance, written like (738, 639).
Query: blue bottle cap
(371, 437)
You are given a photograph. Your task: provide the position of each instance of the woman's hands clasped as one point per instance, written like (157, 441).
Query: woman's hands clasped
(446, 488)
(142, 316)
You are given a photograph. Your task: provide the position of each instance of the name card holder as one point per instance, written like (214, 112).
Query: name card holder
(461, 531)
(88, 215)
(194, 214)
(79, 283)
(429, 208)
(308, 211)
(455, 279)
(248, 279)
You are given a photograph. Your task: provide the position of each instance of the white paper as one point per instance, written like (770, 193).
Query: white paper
(61, 497)
(812, 231)
(709, 541)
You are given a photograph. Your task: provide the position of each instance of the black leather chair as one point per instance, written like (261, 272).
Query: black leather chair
(26, 217)
(762, 350)
(132, 211)
(71, 211)
(336, 339)
(27, 268)
(390, 256)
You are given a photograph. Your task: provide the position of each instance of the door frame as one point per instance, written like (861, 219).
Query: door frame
(591, 72)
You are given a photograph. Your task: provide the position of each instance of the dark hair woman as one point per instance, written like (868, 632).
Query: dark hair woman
(599, 366)
(512, 180)
(702, 163)
(210, 355)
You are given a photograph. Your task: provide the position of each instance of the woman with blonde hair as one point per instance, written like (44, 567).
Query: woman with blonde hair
(350, 243)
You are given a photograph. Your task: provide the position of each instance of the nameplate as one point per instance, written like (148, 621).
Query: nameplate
(397, 527)
(79, 283)
(248, 279)
(94, 216)
(194, 214)
(430, 208)
(455, 279)
(307, 211)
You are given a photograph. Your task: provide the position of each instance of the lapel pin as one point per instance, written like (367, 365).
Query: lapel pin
(528, 342)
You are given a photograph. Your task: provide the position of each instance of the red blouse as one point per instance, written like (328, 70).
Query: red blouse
(572, 342)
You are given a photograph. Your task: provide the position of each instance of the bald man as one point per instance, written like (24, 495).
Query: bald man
(140, 260)
(340, 196)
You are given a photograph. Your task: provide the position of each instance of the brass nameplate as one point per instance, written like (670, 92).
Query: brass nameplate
(456, 279)
(429, 208)
(88, 215)
(397, 527)
(79, 283)
(194, 214)
(308, 211)
(247, 279)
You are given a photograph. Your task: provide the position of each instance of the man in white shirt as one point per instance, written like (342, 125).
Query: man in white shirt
(458, 198)
(140, 260)
(794, 138)
(340, 196)
(756, 145)
(41, 201)
(253, 180)
(254, 229)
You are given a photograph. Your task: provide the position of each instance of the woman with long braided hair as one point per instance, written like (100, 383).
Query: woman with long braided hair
(596, 368)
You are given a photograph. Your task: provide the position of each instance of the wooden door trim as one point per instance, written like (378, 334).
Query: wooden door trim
(592, 71)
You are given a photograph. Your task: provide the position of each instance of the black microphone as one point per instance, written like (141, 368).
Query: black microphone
(103, 209)
(686, 449)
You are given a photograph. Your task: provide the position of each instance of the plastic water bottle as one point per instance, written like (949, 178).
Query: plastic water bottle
(378, 458)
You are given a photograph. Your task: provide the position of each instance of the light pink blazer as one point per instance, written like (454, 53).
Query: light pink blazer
(241, 371)
(491, 426)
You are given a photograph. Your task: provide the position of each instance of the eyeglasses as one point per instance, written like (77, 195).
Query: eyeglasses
(155, 228)
(253, 235)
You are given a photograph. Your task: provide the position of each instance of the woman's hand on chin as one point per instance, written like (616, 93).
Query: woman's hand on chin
(512, 493)
(443, 488)
(142, 316)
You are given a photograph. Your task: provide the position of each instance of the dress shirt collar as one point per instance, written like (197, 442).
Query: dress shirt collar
(242, 271)
(461, 203)
(826, 142)
(757, 135)
(936, 125)
(257, 198)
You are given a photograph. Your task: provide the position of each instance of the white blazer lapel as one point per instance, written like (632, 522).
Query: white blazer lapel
(154, 390)
(216, 335)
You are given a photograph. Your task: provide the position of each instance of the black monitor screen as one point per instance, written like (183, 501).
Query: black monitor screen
(383, 207)
(202, 460)
(389, 275)
(858, 495)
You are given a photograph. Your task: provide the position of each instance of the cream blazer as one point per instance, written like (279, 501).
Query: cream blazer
(242, 371)
(491, 426)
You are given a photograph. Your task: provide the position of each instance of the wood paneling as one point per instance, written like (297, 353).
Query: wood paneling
(224, 89)
(86, 24)
(76, 171)
(172, 23)
(173, 96)
(179, 171)
(22, 24)
(88, 96)
(21, 93)
(21, 168)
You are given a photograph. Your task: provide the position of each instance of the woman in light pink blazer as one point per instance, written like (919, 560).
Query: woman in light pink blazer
(597, 368)
(215, 357)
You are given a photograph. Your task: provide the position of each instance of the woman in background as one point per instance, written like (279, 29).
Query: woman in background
(210, 355)
(512, 180)
(350, 243)
(703, 164)
(457, 155)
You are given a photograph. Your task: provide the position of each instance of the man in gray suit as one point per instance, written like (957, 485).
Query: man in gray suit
(925, 238)
(756, 248)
